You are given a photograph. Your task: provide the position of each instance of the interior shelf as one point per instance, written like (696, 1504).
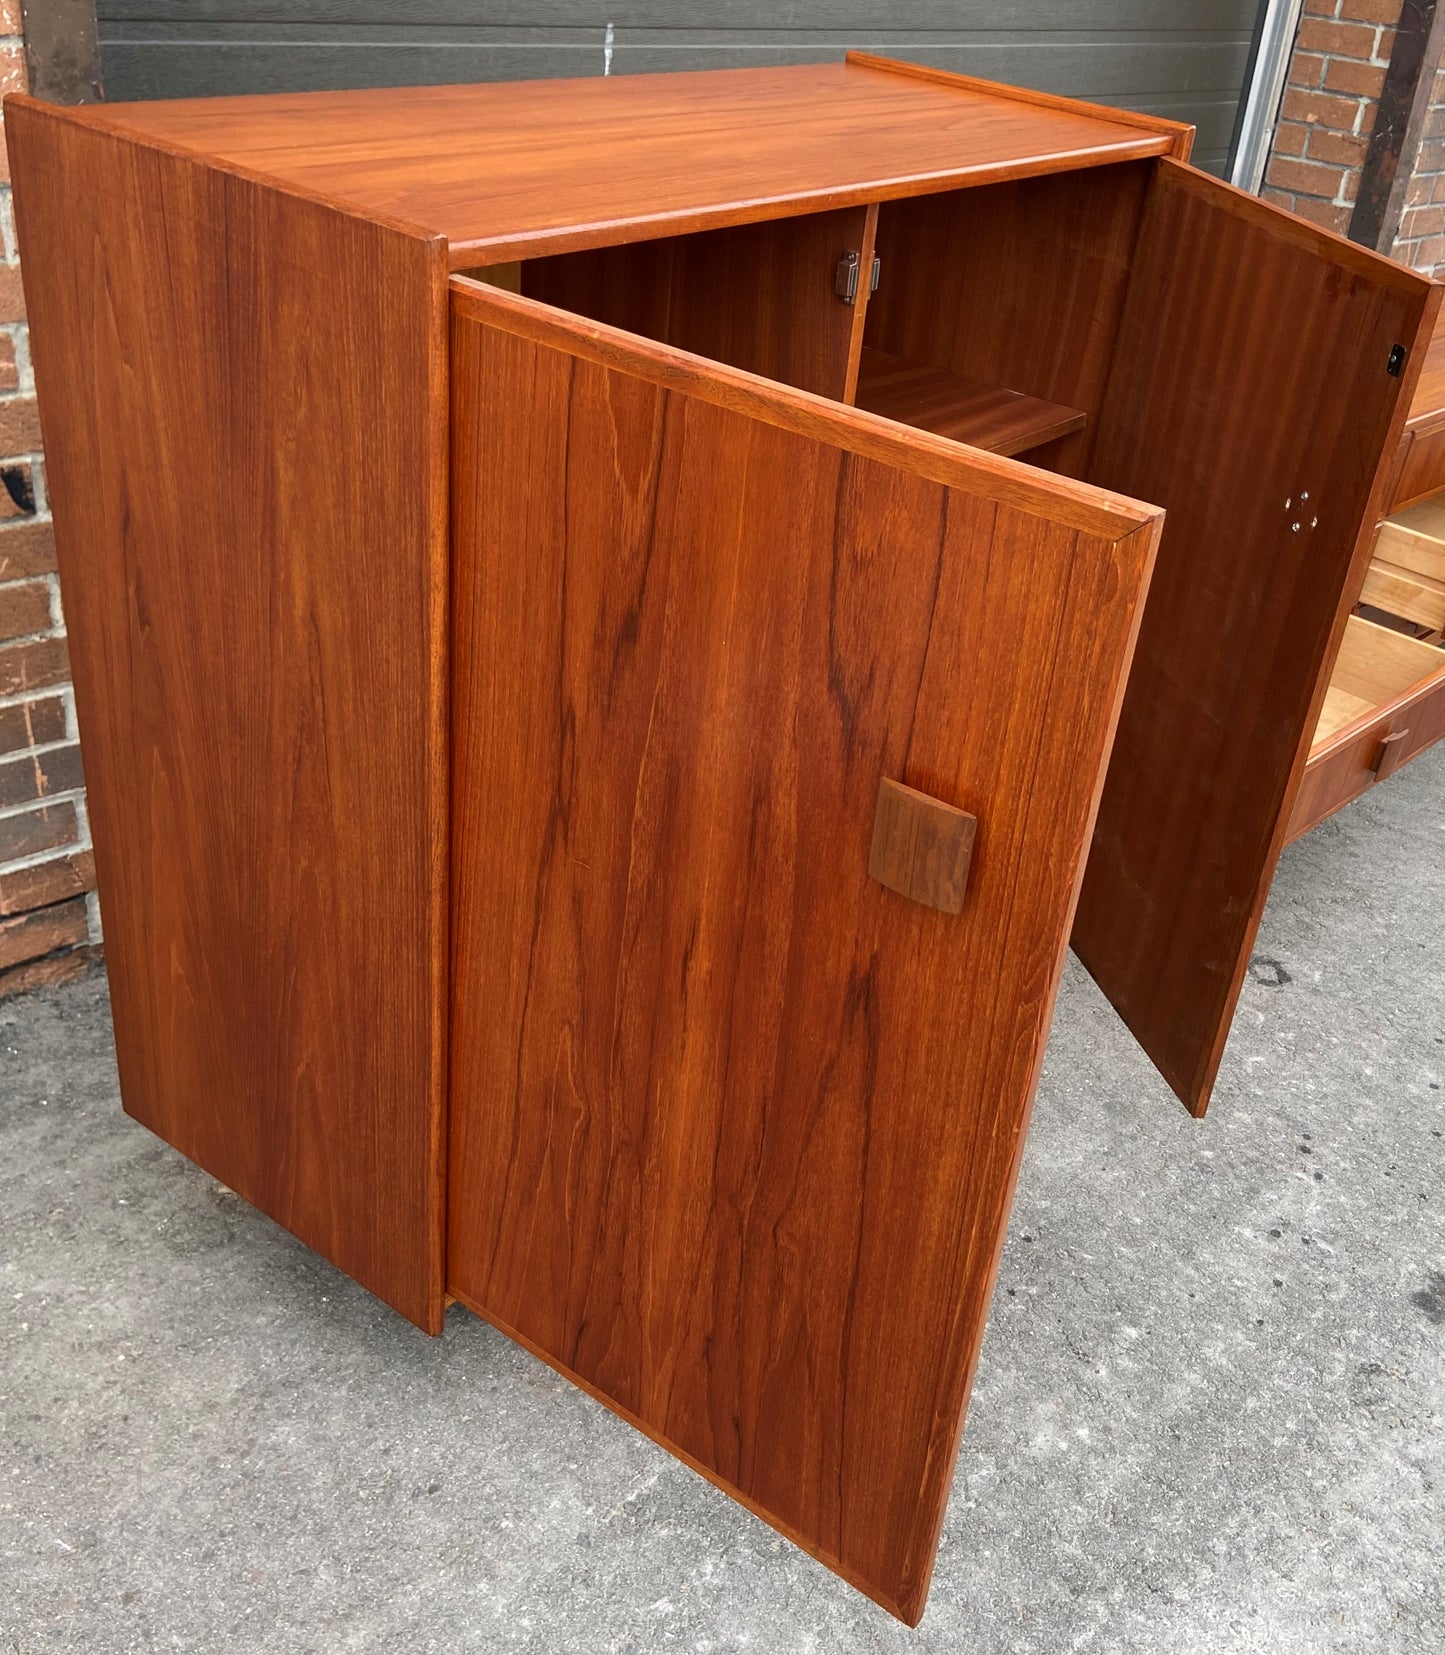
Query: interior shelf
(967, 410)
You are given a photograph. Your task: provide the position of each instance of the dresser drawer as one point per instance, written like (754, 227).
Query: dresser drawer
(1385, 704)
(1407, 572)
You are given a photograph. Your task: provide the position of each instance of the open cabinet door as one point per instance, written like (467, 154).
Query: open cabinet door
(735, 1121)
(1261, 381)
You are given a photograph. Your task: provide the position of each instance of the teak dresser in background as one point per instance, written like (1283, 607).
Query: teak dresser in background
(599, 615)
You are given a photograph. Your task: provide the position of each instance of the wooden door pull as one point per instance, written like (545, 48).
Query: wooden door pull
(1392, 751)
(921, 846)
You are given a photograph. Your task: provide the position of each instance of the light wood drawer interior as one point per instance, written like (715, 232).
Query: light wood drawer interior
(1385, 704)
(1407, 572)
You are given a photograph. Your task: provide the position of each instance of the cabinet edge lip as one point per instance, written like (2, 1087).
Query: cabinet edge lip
(1079, 506)
(1181, 134)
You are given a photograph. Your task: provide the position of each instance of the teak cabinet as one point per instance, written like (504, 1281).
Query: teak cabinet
(599, 613)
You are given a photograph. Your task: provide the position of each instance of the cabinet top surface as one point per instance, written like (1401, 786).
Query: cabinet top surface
(511, 168)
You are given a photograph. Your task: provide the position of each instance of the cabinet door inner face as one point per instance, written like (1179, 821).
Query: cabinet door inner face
(1252, 396)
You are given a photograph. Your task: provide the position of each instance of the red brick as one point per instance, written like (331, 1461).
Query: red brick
(1325, 213)
(1279, 198)
(1431, 156)
(1437, 186)
(1307, 69)
(1421, 252)
(1367, 79)
(33, 666)
(40, 776)
(1386, 46)
(47, 973)
(26, 548)
(44, 883)
(1320, 109)
(31, 723)
(24, 609)
(1290, 138)
(1420, 222)
(1419, 191)
(29, 832)
(1322, 8)
(29, 936)
(1305, 177)
(12, 68)
(1338, 39)
(12, 294)
(19, 425)
(9, 372)
(1339, 148)
(1370, 11)
(10, 17)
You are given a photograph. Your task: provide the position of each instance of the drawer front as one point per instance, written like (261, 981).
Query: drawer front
(1363, 754)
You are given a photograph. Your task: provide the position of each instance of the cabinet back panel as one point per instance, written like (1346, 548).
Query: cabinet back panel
(1252, 401)
(734, 1127)
(1019, 284)
(759, 297)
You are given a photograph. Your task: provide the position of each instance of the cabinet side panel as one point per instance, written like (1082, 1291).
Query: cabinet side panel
(735, 1128)
(243, 397)
(1252, 398)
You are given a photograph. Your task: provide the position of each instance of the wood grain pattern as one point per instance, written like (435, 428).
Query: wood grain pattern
(965, 410)
(921, 847)
(734, 1128)
(867, 273)
(1242, 427)
(243, 400)
(1180, 133)
(1020, 285)
(1397, 687)
(1406, 576)
(511, 170)
(1421, 470)
(1428, 399)
(1082, 506)
(758, 296)
(1396, 591)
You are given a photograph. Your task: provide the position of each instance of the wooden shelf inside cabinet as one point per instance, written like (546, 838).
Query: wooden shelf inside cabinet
(967, 410)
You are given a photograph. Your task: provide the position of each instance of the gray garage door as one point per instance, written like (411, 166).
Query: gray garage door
(1182, 58)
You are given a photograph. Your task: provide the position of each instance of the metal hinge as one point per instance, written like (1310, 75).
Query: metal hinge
(1396, 363)
(845, 277)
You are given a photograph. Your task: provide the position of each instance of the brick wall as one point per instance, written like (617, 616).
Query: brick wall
(49, 921)
(1421, 239)
(1336, 75)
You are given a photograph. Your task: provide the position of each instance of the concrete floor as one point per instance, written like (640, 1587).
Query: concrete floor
(1210, 1414)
